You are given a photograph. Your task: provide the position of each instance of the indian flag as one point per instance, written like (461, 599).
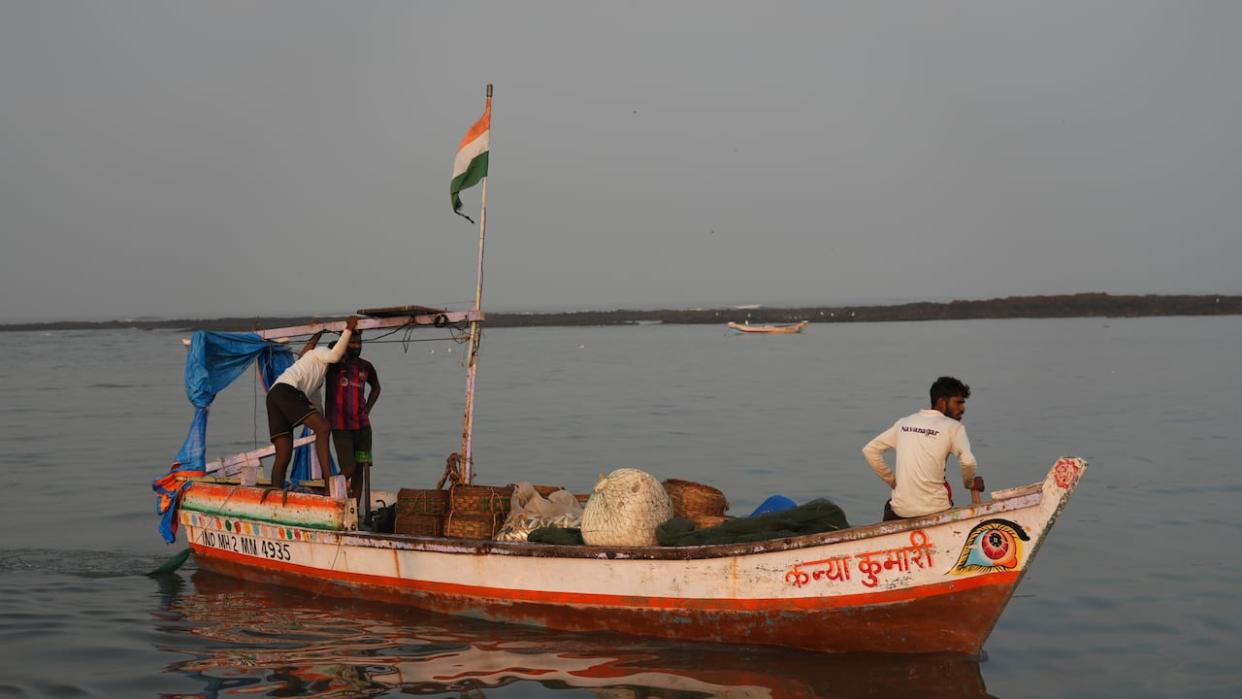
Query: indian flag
(470, 165)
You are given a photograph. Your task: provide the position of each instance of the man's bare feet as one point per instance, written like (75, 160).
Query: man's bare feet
(284, 495)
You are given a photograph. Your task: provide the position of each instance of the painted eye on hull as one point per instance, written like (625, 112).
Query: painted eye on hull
(996, 545)
(991, 546)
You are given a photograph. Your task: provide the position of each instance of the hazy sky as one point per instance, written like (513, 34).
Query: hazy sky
(240, 157)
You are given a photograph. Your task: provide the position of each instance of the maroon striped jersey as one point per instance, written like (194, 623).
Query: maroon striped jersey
(346, 383)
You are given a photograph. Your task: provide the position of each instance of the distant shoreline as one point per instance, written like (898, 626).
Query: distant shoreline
(1084, 305)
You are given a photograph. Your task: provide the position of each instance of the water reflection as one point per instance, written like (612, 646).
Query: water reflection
(268, 641)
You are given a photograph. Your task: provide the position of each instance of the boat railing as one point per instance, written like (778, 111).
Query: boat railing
(226, 469)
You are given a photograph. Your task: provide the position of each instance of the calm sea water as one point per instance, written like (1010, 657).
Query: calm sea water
(1136, 594)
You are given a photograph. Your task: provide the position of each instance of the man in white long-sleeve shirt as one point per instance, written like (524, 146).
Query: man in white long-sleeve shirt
(293, 400)
(923, 442)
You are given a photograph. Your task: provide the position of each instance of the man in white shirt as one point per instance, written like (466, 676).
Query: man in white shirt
(294, 399)
(923, 442)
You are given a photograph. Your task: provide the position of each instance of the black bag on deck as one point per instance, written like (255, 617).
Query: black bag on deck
(384, 519)
(565, 536)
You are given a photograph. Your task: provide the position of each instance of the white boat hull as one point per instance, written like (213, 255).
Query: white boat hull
(930, 584)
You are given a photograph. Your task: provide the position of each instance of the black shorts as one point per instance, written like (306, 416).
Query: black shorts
(287, 407)
(352, 447)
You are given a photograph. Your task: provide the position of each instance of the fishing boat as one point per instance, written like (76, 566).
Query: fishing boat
(926, 585)
(786, 329)
(932, 584)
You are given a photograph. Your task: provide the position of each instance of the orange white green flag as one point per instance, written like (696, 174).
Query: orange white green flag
(470, 165)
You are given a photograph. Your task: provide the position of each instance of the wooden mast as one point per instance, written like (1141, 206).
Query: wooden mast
(472, 356)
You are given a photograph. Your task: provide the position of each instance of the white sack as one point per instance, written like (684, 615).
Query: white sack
(529, 511)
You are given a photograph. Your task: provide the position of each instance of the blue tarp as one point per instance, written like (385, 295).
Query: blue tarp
(776, 503)
(214, 361)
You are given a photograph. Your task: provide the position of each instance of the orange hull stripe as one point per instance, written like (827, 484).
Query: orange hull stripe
(226, 494)
(601, 600)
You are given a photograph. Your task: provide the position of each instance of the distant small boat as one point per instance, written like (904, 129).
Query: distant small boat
(770, 329)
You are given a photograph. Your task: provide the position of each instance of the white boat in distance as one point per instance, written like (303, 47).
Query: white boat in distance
(748, 329)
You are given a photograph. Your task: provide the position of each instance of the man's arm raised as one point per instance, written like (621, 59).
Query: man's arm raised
(338, 351)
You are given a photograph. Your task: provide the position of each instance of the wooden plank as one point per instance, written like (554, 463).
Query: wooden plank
(283, 340)
(228, 462)
(1007, 493)
(287, 333)
(408, 310)
(370, 324)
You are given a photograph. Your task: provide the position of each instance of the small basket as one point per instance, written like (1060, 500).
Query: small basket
(707, 521)
(424, 502)
(690, 498)
(415, 524)
(480, 499)
(472, 526)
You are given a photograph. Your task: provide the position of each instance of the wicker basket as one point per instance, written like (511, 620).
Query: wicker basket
(480, 499)
(707, 521)
(472, 526)
(424, 502)
(690, 498)
(418, 524)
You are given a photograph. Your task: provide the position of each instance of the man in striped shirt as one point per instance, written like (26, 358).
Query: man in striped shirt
(349, 411)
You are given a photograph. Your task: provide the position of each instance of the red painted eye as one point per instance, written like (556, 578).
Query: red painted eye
(992, 546)
(995, 545)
